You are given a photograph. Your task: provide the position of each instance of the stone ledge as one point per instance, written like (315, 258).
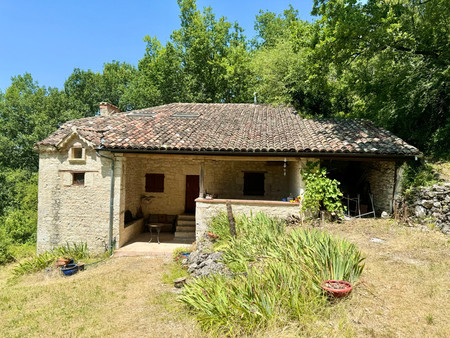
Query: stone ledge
(251, 202)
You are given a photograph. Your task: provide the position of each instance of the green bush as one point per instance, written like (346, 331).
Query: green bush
(18, 210)
(5, 252)
(321, 192)
(47, 258)
(419, 174)
(276, 275)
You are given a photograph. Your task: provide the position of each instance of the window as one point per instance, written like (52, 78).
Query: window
(78, 179)
(154, 183)
(77, 155)
(254, 184)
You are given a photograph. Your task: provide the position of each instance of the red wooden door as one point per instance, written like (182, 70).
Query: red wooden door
(192, 192)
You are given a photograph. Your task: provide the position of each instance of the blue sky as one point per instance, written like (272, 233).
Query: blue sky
(50, 38)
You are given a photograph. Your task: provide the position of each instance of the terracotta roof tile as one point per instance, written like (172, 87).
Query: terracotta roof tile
(232, 128)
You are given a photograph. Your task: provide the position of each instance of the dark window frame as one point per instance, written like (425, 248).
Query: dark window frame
(154, 182)
(77, 153)
(254, 184)
(78, 178)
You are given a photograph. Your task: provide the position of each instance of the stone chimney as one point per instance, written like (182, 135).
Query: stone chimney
(107, 109)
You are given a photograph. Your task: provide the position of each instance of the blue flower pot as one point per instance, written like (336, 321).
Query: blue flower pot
(69, 269)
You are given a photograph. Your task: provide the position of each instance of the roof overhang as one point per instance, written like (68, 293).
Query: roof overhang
(322, 155)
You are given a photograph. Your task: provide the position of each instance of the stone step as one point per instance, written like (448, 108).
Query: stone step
(185, 217)
(186, 223)
(184, 234)
(186, 228)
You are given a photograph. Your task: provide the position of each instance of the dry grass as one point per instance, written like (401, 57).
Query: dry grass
(443, 168)
(403, 292)
(123, 297)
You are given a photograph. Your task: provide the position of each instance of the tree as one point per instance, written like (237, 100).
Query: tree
(86, 89)
(392, 62)
(206, 60)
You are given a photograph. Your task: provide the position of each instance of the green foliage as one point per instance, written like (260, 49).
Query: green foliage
(19, 208)
(276, 275)
(206, 60)
(47, 258)
(321, 193)
(178, 251)
(386, 61)
(419, 174)
(5, 251)
(175, 271)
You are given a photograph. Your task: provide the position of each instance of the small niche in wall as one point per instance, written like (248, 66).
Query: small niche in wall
(77, 154)
(78, 179)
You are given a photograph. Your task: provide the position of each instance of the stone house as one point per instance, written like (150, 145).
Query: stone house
(101, 177)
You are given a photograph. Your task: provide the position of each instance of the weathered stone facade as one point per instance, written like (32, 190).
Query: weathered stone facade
(73, 213)
(432, 203)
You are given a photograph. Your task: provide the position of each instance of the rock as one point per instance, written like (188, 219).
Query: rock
(377, 240)
(420, 212)
(384, 215)
(427, 204)
(437, 204)
(179, 282)
(203, 261)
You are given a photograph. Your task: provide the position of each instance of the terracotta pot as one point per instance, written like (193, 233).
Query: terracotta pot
(62, 262)
(337, 288)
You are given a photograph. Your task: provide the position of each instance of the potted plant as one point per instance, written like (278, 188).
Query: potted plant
(337, 288)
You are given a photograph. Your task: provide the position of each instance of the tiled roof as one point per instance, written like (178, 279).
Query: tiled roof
(242, 128)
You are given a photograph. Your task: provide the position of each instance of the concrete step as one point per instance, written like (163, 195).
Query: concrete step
(186, 228)
(185, 217)
(185, 235)
(186, 223)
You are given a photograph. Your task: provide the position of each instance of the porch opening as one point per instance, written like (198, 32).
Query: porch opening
(372, 181)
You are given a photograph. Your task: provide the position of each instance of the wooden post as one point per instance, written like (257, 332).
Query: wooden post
(231, 221)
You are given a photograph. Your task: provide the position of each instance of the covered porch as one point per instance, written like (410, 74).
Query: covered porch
(173, 190)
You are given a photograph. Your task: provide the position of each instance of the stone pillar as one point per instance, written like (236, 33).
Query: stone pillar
(201, 179)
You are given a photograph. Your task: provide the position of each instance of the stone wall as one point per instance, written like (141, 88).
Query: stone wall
(131, 230)
(207, 209)
(76, 213)
(381, 176)
(432, 202)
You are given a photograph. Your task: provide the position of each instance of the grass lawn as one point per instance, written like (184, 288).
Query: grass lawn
(403, 291)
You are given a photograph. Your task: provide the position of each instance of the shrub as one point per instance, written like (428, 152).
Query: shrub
(5, 252)
(47, 258)
(321, 192)
(277, 275)
(419, 174)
